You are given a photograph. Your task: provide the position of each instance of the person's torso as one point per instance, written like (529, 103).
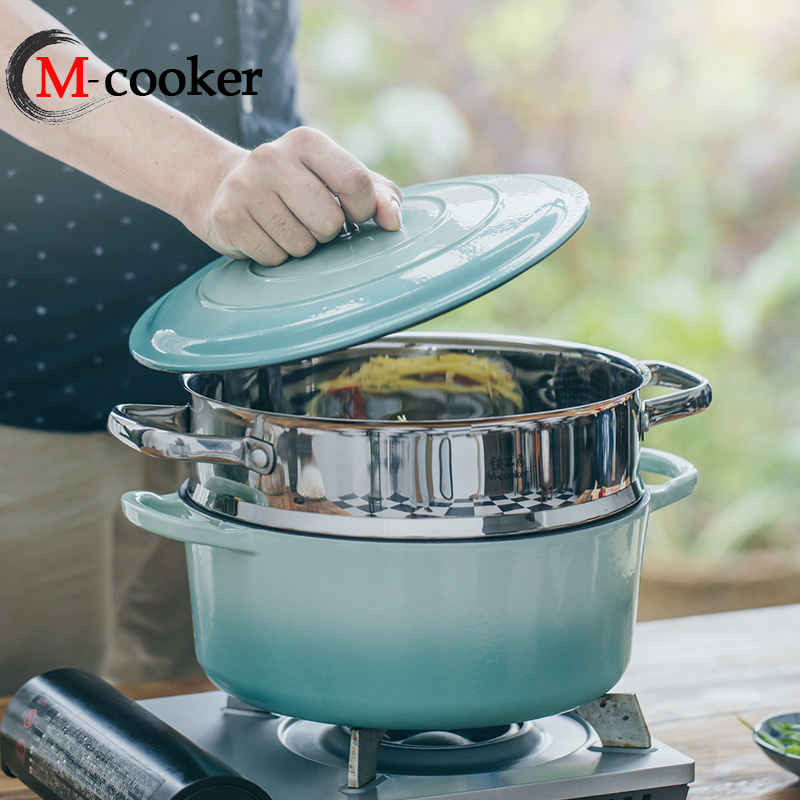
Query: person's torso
(80, 262)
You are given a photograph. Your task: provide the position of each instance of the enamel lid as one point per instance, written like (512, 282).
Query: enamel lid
(460, 238)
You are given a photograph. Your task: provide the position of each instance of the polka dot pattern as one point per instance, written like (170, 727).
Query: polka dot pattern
(82, 262)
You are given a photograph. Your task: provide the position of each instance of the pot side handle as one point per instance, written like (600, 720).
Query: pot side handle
(169, 516)
(163, 431)
(693, 395)
(681, 473)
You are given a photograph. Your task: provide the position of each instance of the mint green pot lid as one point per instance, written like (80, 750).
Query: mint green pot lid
(460, 238)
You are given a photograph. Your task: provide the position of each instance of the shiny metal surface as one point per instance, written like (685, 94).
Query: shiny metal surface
(564, 454)
(163, 431)
(245, 509)
(693, 395)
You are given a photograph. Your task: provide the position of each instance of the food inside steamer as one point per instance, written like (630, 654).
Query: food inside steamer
(435, 386)
(412, 381)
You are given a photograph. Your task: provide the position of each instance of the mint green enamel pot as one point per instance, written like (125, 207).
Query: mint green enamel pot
(414, 634)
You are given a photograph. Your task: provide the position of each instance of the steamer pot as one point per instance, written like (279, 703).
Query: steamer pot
(268, 446)
(440, 634)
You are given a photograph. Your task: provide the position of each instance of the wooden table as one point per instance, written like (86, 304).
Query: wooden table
(692, 676)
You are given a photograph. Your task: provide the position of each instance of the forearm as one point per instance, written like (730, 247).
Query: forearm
(266, 204)
(138, 145)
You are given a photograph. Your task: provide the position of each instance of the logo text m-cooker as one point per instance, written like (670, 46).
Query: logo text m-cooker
(142, 82)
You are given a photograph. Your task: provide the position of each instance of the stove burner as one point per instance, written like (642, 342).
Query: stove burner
(458, 738)
(455, 752)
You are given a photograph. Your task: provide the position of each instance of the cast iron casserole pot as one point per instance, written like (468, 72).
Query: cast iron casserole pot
(414, 634)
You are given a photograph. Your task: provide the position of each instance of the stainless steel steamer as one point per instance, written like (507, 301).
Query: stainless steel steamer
(568, 456)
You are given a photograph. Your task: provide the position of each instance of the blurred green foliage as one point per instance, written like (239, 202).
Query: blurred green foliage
(682, 121)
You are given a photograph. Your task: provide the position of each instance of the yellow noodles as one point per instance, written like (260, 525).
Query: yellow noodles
(449, 372)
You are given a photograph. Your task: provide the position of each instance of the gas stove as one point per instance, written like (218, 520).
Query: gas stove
(557, 758)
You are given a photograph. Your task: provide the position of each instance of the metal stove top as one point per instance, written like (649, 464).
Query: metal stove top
(557, 758)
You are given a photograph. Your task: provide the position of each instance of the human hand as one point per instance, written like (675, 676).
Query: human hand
(278, 200)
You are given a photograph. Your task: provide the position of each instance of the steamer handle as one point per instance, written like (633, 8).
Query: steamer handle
(162, 431)
(694, 394)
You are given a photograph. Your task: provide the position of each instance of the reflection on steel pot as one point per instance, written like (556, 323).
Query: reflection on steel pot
(483, 434)
(384, 633)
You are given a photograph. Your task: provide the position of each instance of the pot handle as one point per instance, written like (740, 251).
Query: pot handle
(163, 431)
(169, 516)
(694, 394)
(681, 473)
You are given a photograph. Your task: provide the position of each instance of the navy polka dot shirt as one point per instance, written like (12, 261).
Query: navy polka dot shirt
(81, 262)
